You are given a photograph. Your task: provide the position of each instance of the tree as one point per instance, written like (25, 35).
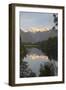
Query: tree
(25, 71)
(50, 48)
(55, 20)
(47, 69)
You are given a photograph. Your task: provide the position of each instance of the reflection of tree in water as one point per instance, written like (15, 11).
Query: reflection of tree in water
(25, 71)
(50, 48)
(48, 69)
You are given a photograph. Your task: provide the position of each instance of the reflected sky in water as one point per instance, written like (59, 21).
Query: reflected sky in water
(35, 57)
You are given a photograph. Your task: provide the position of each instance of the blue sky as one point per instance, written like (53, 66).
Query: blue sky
(34, 19)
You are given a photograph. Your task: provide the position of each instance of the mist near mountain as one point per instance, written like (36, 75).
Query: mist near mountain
(31, 37)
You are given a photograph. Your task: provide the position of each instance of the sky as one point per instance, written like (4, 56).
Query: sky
(29, 20)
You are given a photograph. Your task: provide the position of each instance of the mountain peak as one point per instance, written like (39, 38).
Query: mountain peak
(38, 29)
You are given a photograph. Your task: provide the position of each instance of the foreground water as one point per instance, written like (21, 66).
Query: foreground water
(35, 57)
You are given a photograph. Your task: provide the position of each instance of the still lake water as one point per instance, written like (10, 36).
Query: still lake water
(35, 57)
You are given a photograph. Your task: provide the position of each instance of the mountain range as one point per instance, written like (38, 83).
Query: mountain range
(37, 36)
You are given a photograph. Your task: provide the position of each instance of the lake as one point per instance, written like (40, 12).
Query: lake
(35, 58)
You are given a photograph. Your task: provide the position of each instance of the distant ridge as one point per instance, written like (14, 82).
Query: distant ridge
(37, 36)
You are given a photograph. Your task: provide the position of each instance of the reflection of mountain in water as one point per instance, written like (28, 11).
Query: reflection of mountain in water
(37, 36)
(34, 51)
(36, 63)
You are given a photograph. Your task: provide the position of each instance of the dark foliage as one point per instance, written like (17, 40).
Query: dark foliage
(50, 48)
(46, 70)
(25, 71)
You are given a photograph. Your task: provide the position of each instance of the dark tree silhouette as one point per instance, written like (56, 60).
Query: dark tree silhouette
(50, 48)
(47, 69)
(55, 27)
(55, 19)
(25, 71)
